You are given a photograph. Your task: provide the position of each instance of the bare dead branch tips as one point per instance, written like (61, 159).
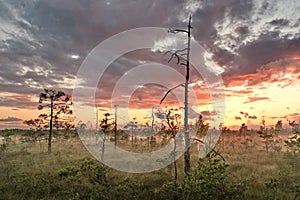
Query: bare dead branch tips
(217, 153)
(182, 84)
(177, 31)
(173, 54)
(178, 54)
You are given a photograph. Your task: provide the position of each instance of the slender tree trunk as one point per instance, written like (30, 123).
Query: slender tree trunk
(223, 140)
(51, 124)
(175, 169)
(152, 128)
(116, 111)
(103, 146)
(187, 162)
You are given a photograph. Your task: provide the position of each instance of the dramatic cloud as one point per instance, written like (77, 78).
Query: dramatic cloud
(253, 43)
(283, 73)
(40, 37)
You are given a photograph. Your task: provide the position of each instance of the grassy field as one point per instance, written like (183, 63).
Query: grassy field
(69, 172)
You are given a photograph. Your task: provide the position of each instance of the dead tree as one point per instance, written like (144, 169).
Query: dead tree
(105, 127)
(150, 138)
(173, 121)
(179, 55)
(116, 125)
(133, 125)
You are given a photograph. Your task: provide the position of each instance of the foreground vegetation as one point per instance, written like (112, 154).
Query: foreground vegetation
(27, 171)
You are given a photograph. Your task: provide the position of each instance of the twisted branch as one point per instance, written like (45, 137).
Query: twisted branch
(182, 84)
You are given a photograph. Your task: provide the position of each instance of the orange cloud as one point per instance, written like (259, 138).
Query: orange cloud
(237, 80)
(231, 93)
(274, 72)
(149, 95)
(253, 99)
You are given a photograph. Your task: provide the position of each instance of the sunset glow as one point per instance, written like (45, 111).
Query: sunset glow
(255, 50)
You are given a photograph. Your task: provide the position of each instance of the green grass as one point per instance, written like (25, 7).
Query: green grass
(28, 172)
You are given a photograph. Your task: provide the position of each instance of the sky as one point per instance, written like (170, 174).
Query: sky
(253, 44)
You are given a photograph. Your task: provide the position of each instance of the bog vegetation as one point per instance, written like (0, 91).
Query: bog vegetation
(245, 164)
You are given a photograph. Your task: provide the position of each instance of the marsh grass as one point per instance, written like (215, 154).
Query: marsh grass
(27, 171)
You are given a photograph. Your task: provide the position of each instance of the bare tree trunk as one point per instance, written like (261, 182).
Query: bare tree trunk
(175, 170)
(50, 131)
(187, 162)
(116, 112)
(103, 146)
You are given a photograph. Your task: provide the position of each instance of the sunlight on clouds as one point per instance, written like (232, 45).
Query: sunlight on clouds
(191, 7)
(284, 15)
(240, 39)
(171, 42)
(32, 84)
(276, 106)
(287, 10)
(68, 83)
(11, 31)
(212, 66)
(268, 93)
(75, 57)
(228, 37)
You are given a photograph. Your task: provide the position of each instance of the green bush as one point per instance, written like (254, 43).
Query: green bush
(208, 180)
